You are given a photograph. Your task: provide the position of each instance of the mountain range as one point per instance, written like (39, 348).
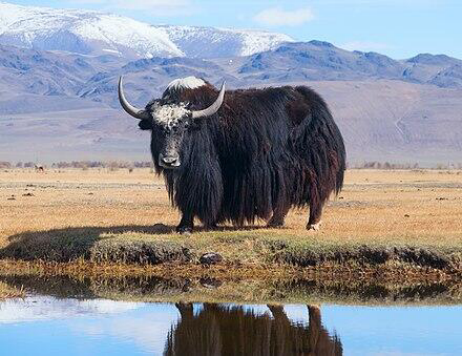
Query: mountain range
(59, 69)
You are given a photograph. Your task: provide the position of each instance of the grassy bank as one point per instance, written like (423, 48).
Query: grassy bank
(383, 223)
(253, 248)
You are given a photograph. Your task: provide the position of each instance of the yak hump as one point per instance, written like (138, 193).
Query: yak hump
(186, 83)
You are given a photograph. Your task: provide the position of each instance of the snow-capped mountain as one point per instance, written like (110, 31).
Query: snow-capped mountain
(210, 42)
(95, 33)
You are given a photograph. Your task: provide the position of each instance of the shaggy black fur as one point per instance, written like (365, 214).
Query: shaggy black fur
(231, 330)
(263, 152)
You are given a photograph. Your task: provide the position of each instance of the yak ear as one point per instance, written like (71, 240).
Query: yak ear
(145, 125)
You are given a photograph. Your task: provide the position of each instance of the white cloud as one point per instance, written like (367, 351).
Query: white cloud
(279, 17)
(365, 46)
(50, 308)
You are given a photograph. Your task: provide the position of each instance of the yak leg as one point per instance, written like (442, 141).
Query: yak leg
(314, 221)
(281, 332)
(186, 224)
(314, 312)
(278, 313)
(279, 215)
(314, 326)
(186, 310)
(212, 226)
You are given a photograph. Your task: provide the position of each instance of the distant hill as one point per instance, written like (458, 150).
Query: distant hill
(62, 104)
(317, 60)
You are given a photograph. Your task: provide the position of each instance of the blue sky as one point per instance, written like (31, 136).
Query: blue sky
(398, 28)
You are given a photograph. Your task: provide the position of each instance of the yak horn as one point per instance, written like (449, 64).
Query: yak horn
(212, 109)
(140, 114)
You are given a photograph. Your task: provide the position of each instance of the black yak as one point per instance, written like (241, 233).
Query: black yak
(243, 154)
(231, 330)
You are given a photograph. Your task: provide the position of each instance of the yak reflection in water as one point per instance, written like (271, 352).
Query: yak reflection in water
(233, 330)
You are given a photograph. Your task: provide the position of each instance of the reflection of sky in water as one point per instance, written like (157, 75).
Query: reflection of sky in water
(396, 330)
(50, 326)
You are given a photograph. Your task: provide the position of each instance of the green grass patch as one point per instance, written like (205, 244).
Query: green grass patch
(258, 247)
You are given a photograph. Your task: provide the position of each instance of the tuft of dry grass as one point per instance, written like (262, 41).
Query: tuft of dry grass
(7, 291)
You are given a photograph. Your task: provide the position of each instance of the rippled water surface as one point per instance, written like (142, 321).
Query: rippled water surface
(44, 325)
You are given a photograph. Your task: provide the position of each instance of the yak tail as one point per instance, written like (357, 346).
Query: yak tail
(320, 145)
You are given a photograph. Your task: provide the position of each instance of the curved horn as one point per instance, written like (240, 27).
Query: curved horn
(140, 114)
(212, 109)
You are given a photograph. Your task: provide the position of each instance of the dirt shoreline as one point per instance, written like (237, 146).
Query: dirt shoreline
(279, 272)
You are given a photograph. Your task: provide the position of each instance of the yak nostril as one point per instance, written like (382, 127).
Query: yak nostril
(170, 160)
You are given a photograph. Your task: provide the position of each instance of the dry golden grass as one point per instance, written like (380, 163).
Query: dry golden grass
(7, 291)
(374, 207)
(64, 215)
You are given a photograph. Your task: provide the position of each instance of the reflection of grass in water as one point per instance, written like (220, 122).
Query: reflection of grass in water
(7, 291)
(306, 291)
(348, 291)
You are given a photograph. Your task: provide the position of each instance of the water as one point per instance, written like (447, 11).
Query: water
(50, 325)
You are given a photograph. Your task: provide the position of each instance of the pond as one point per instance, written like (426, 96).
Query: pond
(51, 325)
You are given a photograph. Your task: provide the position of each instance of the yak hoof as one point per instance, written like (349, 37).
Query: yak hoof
(184, 230)
(213, 226)
(275, 224)
(313, 227)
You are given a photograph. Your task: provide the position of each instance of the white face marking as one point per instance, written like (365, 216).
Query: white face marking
(188, 83)
(169, 115)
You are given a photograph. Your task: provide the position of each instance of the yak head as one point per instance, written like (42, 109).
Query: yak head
(170, 122)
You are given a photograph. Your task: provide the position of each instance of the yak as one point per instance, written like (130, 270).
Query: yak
(239, 155)
(217, 329)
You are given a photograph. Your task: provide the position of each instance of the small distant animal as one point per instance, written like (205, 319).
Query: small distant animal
(245, 154)
(39, 168)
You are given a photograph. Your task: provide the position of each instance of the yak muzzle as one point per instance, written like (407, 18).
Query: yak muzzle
(171, 161)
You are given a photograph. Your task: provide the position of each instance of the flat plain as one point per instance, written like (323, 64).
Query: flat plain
(64, 215)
